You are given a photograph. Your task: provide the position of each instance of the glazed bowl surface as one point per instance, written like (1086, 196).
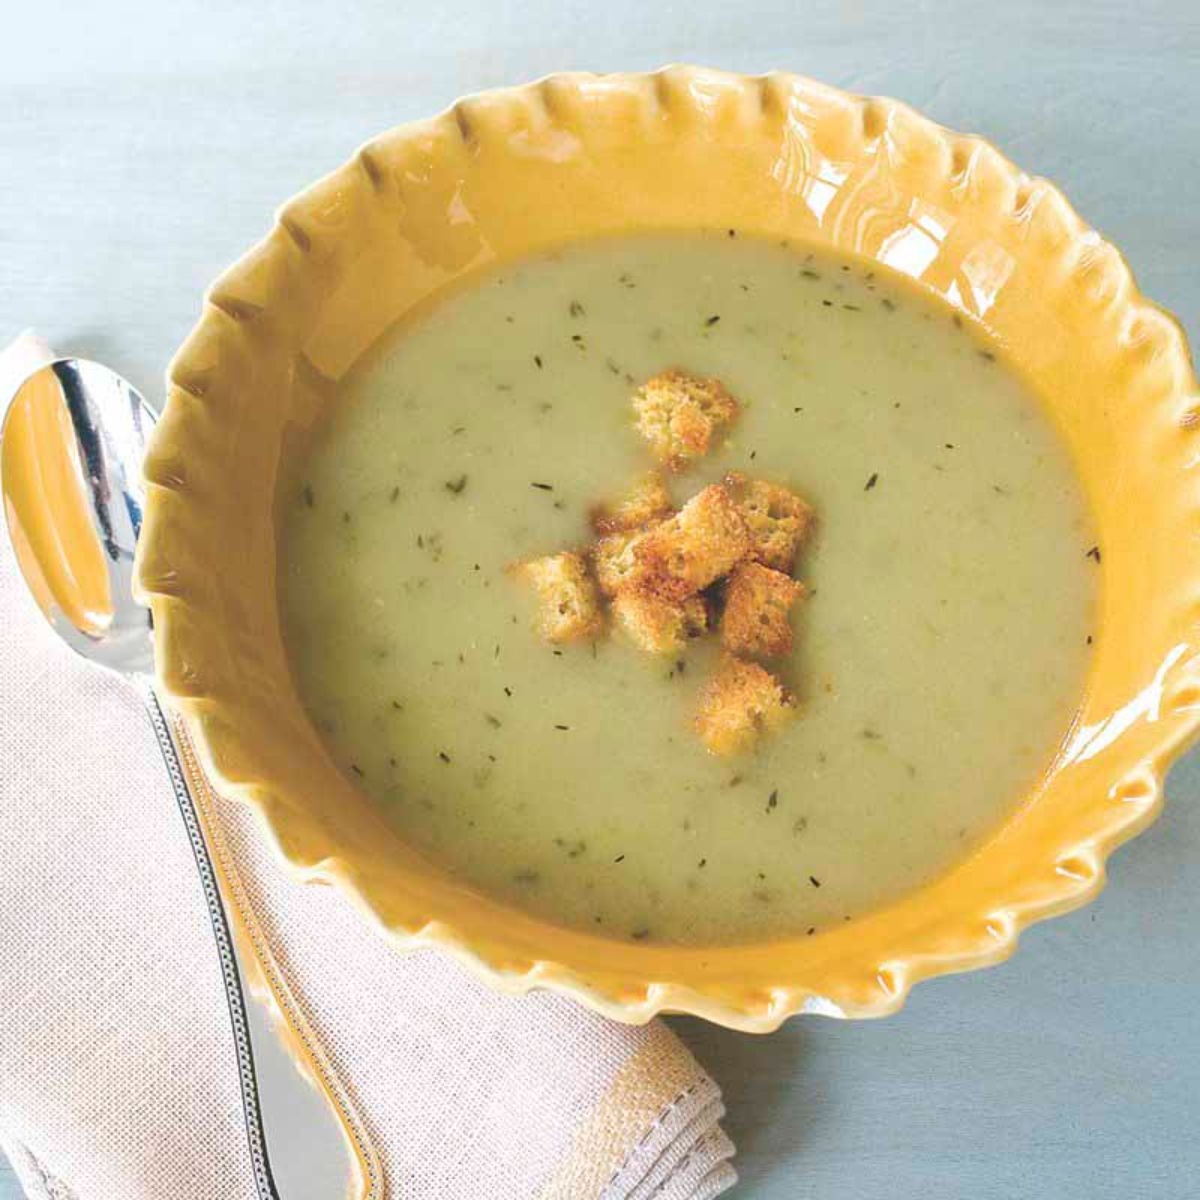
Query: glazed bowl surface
(514, 172)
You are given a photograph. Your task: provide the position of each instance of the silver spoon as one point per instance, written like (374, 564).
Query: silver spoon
(109, 423)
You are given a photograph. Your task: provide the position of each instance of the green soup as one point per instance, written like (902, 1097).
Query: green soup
(938, 660)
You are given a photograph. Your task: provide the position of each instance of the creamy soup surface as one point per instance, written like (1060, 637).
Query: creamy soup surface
(938, 661)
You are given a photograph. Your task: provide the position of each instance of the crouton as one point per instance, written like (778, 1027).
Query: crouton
(757, 602)
(679, 557)
(647, 501)
(679, 414)
(569, 606)
(739, 705)
(659, 625)
(613, 560)
(778, 520)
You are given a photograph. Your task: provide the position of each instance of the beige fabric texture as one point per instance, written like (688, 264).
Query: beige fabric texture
(117, 1070)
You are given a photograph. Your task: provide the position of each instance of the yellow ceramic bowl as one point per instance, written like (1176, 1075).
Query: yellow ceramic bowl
(511, 172)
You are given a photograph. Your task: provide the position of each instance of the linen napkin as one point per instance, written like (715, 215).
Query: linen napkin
(118, 1076)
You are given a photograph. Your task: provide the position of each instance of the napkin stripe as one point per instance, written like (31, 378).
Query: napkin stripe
(609, 1138)
(251, 1109)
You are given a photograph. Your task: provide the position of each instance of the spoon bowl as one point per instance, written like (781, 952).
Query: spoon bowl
(71, 452)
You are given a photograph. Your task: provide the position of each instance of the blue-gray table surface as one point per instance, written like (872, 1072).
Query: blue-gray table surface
(143, 146)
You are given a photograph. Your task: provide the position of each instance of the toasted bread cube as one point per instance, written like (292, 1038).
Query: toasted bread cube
(659, 625)
(679, 414)
(679, 557)
(613, 560)
(648, 501)
(758, 601)
(569, 606)
(739, 705)
(778, 520)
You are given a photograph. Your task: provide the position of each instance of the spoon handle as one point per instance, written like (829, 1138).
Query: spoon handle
(255, 1136)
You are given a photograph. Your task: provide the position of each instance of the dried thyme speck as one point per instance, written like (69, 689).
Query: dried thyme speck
(494, 722)
(797, 410)
(392, 761)
(346, 518)
(576, 309)
(394, 495)
(309, 498)
(1089, 639)
(872, 481)
(999, 490)
(702, 863)
(814, 881)
(732, 233)
(443, 756)
(987, 356)
(457, 430)
(852, 307)
(537, 358)
(753, 455)
(557, 653)
(734, 780)
(957, 321)
(639, 935)
(890, 305)
(1093, 554)
(358, 770)
(811, 930)
(711, 321)
(620, 858)
(773, 800)
(577, 338)
(456, 486)
(826, 303)
(810, 274)
(397, 706)
(543, 487)
(560, 505)
(871, 735)
(508, 691)
(564, 728)
(799, 825)
(612, 366)
(949, 445)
